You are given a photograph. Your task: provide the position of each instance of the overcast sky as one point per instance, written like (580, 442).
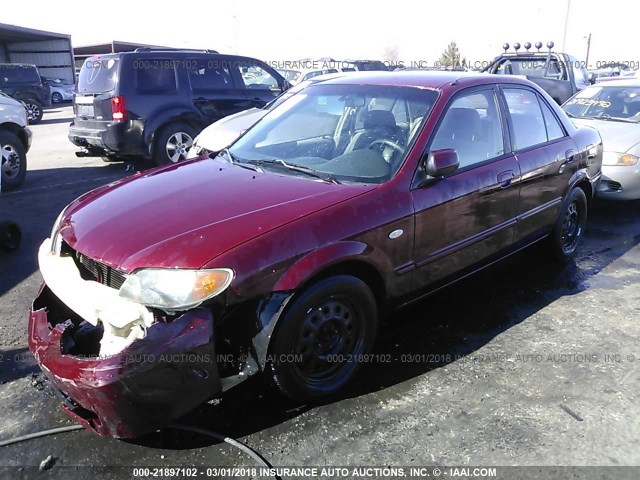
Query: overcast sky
(277, 30)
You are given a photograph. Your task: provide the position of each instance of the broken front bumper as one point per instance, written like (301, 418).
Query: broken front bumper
(152, 382)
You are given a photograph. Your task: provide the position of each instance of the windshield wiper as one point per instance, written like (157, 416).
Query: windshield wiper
(232, 161)
(606, 116)
(326, 177)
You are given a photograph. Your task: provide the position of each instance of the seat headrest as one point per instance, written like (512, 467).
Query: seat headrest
(379, 119)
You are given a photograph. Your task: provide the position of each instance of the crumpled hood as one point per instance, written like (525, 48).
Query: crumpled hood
(616, 136)
(189, 213)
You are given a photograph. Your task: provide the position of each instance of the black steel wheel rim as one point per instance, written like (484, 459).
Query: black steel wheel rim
(571, 227)
(329, 342)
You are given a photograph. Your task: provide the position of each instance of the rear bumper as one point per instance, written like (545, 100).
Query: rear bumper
(153, 381)
(112, 138)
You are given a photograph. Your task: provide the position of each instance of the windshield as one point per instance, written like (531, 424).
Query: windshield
(615, 103)
(98, 75)
(16, 73)
(349, 133)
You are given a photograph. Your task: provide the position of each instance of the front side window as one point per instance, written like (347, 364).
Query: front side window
(256, 76)
(526, 117)
(316, 129)
(472, 127)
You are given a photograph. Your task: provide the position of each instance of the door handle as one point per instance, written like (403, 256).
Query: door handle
(505, 178)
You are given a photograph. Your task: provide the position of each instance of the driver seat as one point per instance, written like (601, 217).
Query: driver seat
(378, 125)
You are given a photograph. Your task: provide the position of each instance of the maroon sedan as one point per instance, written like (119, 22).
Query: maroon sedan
(277, 255)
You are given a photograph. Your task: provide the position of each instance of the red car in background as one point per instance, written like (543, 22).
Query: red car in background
(278, 255)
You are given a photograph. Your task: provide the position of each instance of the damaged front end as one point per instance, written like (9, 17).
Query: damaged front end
(126, 369)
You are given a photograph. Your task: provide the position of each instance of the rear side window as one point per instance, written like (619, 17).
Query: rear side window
(209, 75)
(98, 75)
(19, 74)
(155, 75)
(526, 117)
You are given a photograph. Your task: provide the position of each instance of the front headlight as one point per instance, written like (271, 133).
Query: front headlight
(175, 289)
(618, 159)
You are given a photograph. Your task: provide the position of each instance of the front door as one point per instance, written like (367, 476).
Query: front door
(471, 214)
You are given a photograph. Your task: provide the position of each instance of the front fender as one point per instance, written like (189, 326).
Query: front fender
(314, 262)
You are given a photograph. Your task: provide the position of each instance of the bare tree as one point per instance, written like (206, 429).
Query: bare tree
(390, 55)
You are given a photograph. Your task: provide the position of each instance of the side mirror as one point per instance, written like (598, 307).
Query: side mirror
(440, 163)
(592, 78)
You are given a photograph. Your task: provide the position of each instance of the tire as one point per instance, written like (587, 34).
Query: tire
(13, 161)
(56, 97)
(172, 143)
(569, 228)
(34, 111)
(327, 328)
(10, 236)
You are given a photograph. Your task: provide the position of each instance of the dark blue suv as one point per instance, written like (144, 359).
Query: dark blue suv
(152, 103)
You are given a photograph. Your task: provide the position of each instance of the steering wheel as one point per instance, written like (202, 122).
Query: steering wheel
(389, 143)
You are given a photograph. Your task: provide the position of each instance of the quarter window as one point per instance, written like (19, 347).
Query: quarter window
(472, 127)
(526, 117)
(156, 75)
(554, 129)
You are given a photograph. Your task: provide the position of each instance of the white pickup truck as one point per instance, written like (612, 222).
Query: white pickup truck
(15, 140)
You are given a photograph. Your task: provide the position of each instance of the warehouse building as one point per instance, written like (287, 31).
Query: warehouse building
(50, 52)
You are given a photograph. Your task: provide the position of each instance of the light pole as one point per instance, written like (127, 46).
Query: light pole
(586, 62)
(566, 24)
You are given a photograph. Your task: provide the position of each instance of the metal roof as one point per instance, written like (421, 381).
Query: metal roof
(14, 33)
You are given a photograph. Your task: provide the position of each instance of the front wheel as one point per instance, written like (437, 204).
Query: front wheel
(172, 143)
(34, 111)
(570, 226)
(323, 338)
(13, 161)
(56, 97)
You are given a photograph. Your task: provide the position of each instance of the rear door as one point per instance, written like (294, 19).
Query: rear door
(547, 158)
(470, 215)
(214, 90)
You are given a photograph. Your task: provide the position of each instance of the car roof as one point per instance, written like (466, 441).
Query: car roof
(424, 79)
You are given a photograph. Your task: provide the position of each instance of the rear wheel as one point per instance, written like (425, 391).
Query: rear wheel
(570, 226)
(319, 343)
(34, 110)
(172, 143)
(56, 97)
(13, 166)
